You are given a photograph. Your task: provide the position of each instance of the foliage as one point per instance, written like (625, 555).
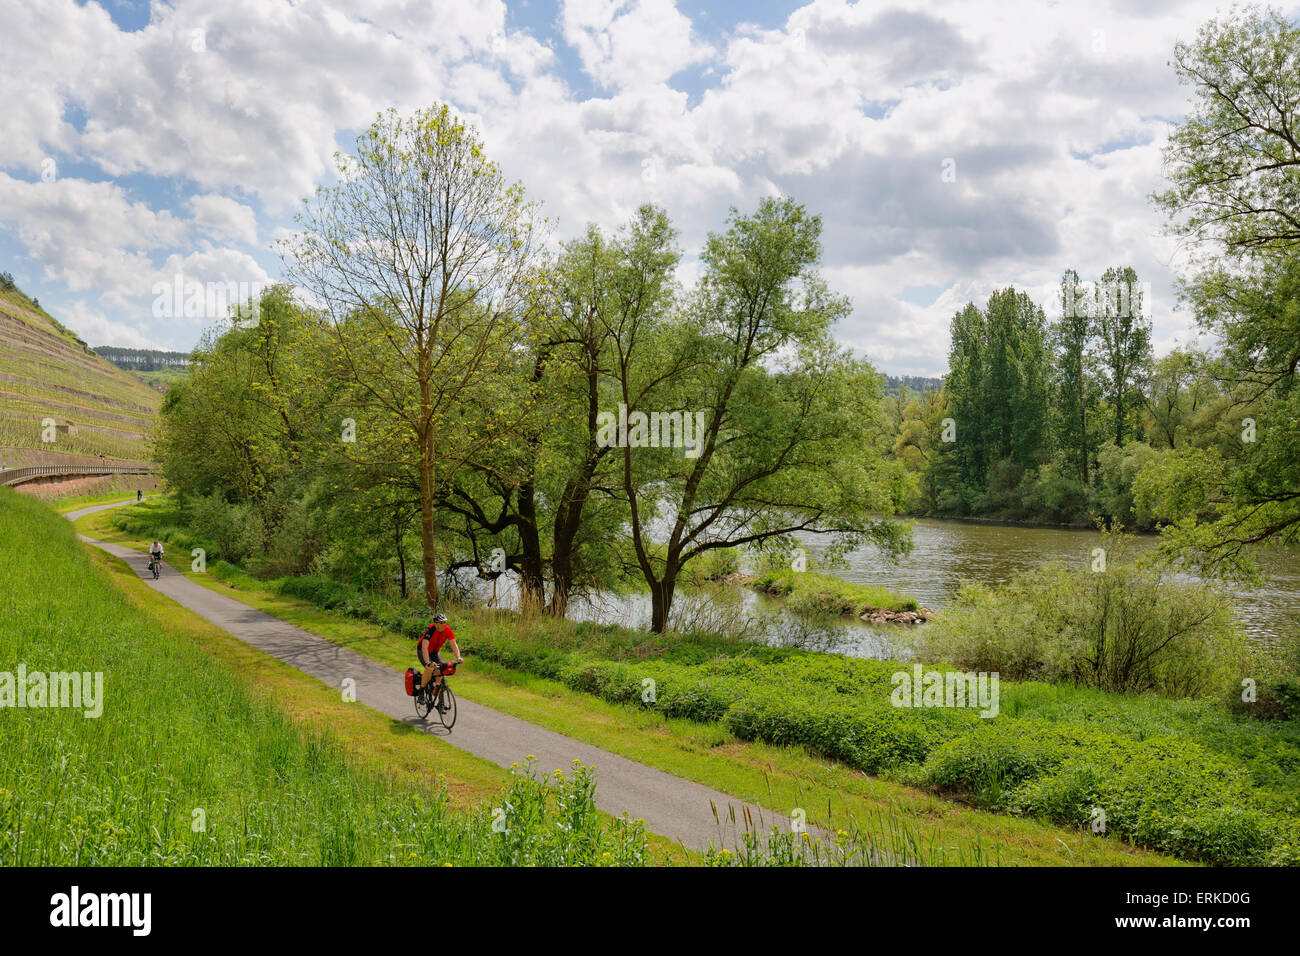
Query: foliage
(1184, 777)
(1125, 629)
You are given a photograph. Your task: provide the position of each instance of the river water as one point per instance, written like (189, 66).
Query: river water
(945, 554)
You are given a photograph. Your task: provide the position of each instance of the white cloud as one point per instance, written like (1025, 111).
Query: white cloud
(222, 218)
(89, 236)
(97, 329)
(626, 43)
(850, 108)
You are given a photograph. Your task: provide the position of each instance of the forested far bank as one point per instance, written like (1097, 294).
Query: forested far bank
(1071, 420)
(1074, 420)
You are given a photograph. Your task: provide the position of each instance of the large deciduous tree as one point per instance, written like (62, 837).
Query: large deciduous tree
(1234, 170)
(421, 253)
(1234, 162)
(788, 439)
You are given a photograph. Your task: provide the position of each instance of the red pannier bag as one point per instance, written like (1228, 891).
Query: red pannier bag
(412, 681)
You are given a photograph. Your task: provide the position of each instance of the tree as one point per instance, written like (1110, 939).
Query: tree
(966, 391)
(1016, 394)
(920, 446)
(421, 253)
(786, 436)
(603, 285)
(1257, 314)
(1234, 162)
(1124, 346)
(1074, 385)
(1179, 392)
(237, 424)
(998, 386)
(1234, 171)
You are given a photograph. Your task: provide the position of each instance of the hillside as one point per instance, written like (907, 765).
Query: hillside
(46, 372)
(144, 360)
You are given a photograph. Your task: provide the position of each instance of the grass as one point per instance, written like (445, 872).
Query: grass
(209, 753)
(162, 376)
(778, 777)
(63, 505)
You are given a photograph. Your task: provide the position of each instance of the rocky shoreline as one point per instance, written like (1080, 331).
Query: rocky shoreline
(875, 615)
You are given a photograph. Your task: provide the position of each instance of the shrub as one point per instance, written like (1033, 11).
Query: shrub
(1055, 495)
(1112, 492)
(1165, 793)
(1126, 629)
(233, 531)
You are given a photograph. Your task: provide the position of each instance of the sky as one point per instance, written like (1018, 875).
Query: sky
(951, 149)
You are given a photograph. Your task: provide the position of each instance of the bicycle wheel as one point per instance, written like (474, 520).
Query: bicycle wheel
(422, 704)
(447, 707)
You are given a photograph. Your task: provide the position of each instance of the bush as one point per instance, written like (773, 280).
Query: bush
(1055, 495)
(815, 592)
(233, 531)
(1125, 629)
(1185, 777)
(1112, 491)
(294, 545)
(1165, 793)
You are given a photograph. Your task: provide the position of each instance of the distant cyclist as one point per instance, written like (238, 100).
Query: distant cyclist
(430, 643)
(155, 554)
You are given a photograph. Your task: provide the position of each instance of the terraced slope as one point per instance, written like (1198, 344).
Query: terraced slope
(46, 372)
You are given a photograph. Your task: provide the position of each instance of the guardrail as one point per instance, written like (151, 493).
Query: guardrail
(16, 476)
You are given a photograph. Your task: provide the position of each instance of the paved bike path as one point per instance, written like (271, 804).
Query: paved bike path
(679, 809)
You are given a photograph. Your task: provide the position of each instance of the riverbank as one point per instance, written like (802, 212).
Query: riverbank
(1183, 777)
(1013, 523)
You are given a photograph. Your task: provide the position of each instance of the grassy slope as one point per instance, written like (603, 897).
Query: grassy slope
(779, 778)
(286, 772)
(45, 371)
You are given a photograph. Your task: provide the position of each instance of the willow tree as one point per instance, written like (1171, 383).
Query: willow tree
(771, 428)
(1233, 166)
(420, 254)
(605, 285)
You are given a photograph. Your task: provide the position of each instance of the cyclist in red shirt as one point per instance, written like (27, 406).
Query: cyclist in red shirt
(431, 641)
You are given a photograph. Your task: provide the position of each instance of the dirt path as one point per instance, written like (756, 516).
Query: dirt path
(679, 809)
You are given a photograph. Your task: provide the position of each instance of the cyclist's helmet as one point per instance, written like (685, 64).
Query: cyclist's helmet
(440, 618)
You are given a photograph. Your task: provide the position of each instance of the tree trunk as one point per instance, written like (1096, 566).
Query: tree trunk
(661, 599)
(566, 530)
(532, 581)
(401, 557)
(428, 554)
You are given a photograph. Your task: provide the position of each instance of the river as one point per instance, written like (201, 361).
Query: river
(945, 554)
